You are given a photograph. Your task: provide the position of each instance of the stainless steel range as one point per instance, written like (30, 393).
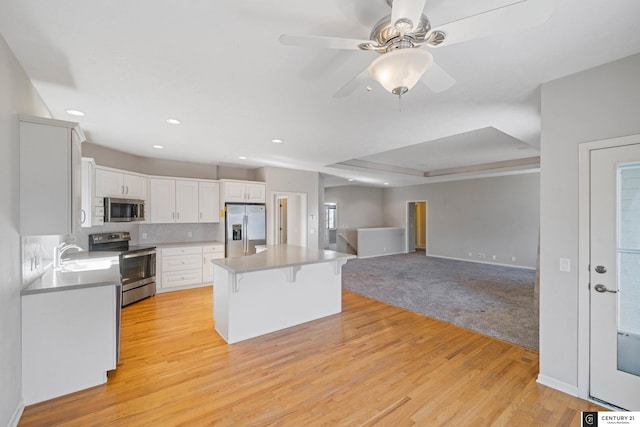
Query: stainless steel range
(137, 264)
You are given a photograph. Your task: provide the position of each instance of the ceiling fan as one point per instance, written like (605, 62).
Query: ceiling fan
(399, 37)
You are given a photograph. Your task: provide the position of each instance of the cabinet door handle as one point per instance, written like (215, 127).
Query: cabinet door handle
(173, 215)
(83, 217)
(178, 215)
(127, 187)
(200, 215)
(122, 192)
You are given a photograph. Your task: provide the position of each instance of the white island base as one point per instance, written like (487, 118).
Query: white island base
(276, 289)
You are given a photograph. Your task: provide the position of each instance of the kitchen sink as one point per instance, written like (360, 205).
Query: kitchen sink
(86, 265)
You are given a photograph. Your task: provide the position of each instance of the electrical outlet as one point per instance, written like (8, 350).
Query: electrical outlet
(493, 257)
(470, 254)
(144, 235)
(481, 256)
(513, 259)
(189, 234)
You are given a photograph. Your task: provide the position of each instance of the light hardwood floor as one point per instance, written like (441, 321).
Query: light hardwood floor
(373, 364)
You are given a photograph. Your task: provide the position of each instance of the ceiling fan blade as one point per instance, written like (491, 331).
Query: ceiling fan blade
(523, 14)
(437, 79)
(321, 42)
(352, 85)
(407, 9)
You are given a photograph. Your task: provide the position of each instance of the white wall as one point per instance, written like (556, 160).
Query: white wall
(596, 104)
(358, 207)
(491, 216)
(18, 96)
(280, 180)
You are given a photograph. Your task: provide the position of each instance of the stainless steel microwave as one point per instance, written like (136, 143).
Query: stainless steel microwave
(123, 210)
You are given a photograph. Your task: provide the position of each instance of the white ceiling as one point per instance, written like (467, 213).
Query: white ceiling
(219, 68)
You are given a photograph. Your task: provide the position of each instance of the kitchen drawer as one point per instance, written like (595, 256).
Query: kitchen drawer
(182, 250)
(181, 278)
(181, 262)
(213, 248)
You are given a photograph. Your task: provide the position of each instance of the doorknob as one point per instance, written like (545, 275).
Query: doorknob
(602, 288)
(601, 269)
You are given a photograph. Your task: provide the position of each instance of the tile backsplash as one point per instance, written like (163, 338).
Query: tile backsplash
(37, 255)
(168, 233)
(37, 251)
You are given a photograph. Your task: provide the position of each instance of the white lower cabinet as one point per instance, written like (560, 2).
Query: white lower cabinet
(181, 266)
(209, 253)
(69, 341)
(187, 266)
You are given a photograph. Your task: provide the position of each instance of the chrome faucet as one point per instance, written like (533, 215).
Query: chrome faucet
(59, 250)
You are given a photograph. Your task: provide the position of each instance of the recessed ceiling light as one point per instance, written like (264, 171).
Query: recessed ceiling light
(242, 158)
(159, 147)
(75, 113)
(277, 141)
(350, 180)
(386, 183)
(173, 121)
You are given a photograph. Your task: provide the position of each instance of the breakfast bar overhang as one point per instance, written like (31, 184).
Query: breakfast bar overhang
(282, 286)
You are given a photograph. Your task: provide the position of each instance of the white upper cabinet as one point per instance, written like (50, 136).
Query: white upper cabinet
(209, 201)
(114, 183)
(50, 176)
(184, 201)
(163, 200)
(256, 192)
(92, 206)
(243, 191)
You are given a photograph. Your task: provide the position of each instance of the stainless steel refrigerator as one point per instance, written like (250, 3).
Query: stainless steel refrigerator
(245, 227)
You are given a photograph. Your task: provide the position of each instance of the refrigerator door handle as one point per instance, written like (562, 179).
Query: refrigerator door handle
(245, 238)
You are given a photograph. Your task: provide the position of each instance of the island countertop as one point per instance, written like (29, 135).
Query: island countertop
(278, 256)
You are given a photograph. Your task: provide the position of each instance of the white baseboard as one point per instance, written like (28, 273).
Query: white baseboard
(17, 414)
(558, 385)
(182, 288)
(525, 267)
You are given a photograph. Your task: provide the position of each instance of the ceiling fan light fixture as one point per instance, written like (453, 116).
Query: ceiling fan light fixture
(399, 70)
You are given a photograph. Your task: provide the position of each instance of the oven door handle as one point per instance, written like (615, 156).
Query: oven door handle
(138, 254)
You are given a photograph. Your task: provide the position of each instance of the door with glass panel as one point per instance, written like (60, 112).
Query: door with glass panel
(615, 276)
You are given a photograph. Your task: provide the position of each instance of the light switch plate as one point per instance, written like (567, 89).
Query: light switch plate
(565, 265)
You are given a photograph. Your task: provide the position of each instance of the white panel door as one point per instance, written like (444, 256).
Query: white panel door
(163, 200)
(234, 192)
(109, 183)
(186, 201)
(135, 186)
(209, 201)
(615, 276)
(256, 193)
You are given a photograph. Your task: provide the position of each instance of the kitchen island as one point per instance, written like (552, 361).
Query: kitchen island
(282, 286)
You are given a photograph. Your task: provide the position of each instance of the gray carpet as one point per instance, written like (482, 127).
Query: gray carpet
(493, 300)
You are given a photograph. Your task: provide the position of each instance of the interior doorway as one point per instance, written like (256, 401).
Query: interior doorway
(330, 225)
(417, 226)
(289, 219)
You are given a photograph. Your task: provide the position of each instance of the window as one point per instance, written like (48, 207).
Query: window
(330, 216)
